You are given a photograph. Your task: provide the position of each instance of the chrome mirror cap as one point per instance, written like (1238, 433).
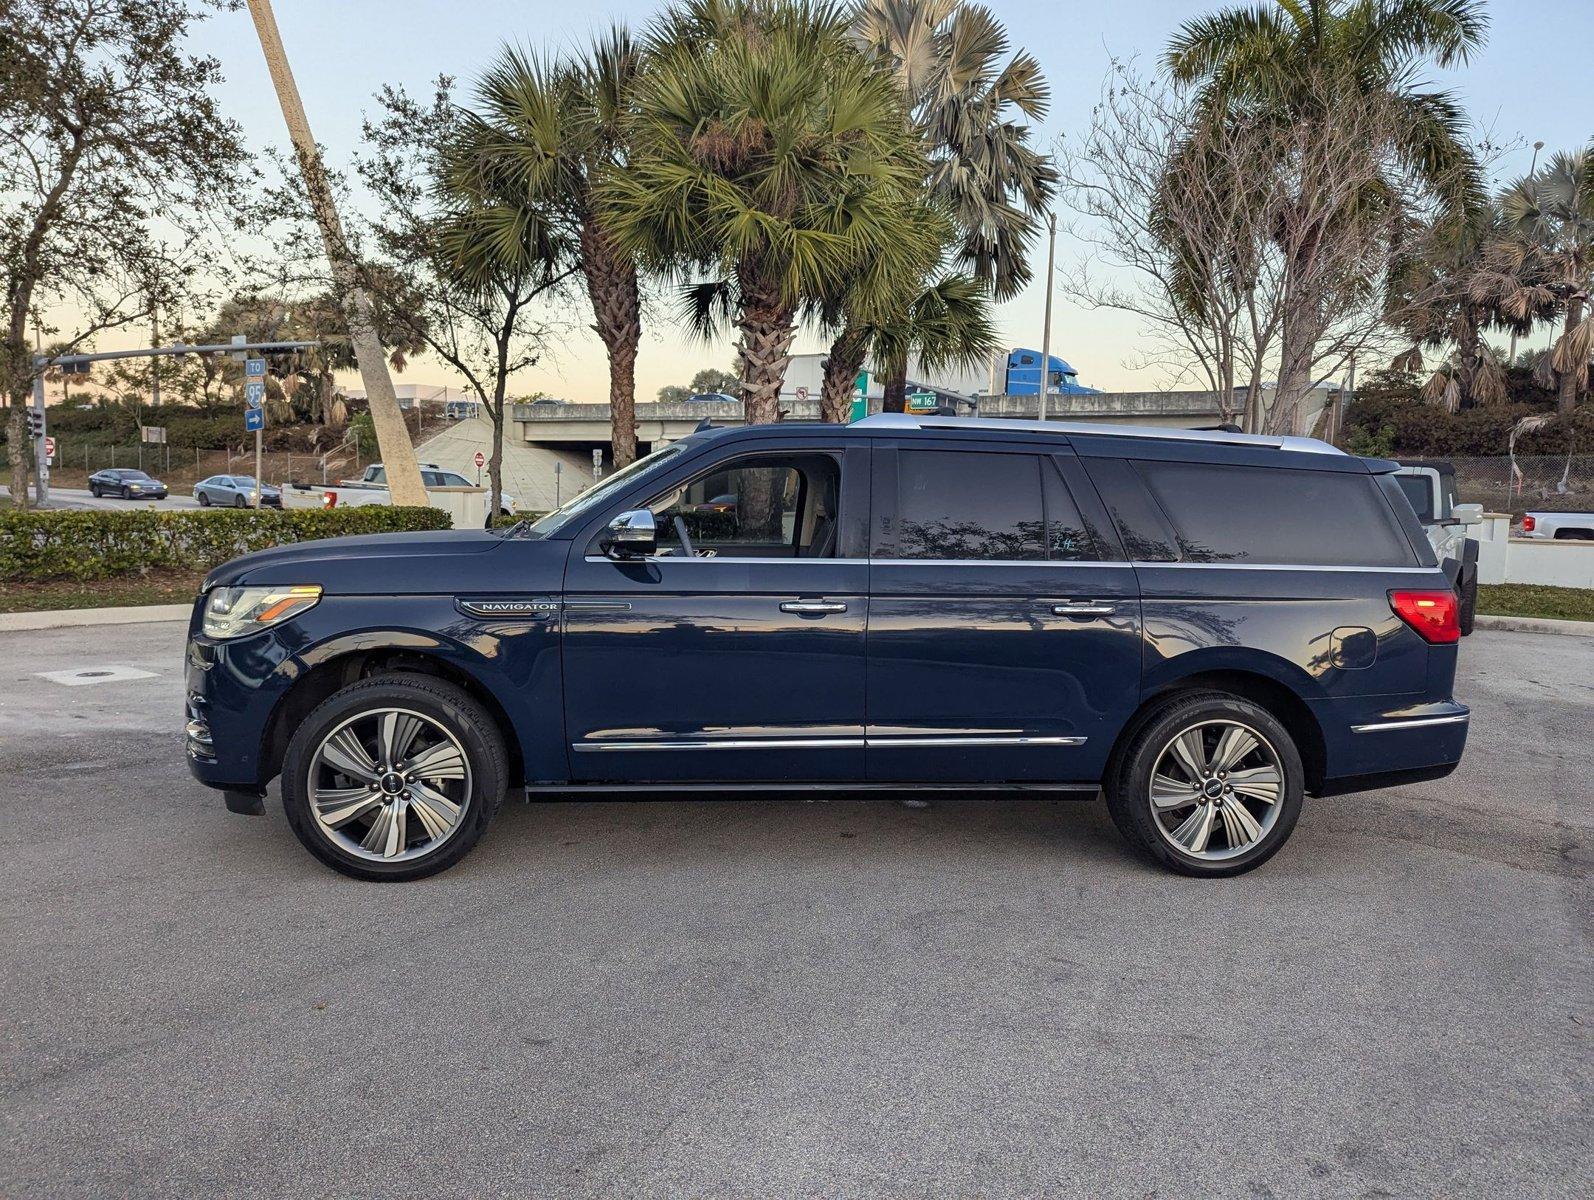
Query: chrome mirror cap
(632, 534)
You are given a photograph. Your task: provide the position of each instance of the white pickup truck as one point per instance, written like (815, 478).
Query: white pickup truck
(1559, 526)
(1430, 485)
(371, 488)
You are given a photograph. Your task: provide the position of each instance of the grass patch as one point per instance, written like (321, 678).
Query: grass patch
(1536, 600)
(157, 587)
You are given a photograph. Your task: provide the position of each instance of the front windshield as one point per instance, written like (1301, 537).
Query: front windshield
(577, 506)
(244, 480)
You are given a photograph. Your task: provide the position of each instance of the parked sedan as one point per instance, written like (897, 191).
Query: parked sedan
(127, 483)
(234, 491)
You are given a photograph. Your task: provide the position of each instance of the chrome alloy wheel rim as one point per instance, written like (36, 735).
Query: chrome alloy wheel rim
(1216, 790)
(389, 785)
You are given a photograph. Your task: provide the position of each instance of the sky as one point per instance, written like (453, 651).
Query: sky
(1529, 83)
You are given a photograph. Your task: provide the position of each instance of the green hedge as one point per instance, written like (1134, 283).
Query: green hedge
(55, 544)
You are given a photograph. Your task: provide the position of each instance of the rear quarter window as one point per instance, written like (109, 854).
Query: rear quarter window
(1276, 515)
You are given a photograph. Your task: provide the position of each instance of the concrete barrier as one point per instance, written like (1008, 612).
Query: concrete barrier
(1506, 559)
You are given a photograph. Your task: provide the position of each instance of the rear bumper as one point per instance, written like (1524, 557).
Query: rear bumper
(1381, 747)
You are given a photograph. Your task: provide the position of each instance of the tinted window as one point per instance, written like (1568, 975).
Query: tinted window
(1419, 491)
(1226, 513)
(961, 505)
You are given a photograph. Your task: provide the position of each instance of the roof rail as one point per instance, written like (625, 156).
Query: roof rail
(907, 421)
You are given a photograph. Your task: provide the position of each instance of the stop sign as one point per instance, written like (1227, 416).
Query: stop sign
(481, 460)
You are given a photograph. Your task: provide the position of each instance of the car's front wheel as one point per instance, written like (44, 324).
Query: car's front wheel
(240, 501)
(394, 777)
(1211, 784)
(203, 498)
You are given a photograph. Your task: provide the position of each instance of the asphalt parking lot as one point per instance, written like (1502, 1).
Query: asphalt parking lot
(774, 998)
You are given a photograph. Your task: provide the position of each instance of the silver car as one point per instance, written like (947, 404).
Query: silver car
(234, 491)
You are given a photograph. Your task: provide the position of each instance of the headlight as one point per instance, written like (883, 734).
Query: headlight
(233, 612)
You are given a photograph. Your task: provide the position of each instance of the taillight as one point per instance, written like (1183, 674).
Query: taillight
(1434, 615)
(1529, 524)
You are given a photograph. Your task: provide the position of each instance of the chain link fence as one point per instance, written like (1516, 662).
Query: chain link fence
(1540, 482)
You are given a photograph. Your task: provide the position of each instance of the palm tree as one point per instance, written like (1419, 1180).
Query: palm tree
(766, 156)
(947, 324)
(1298, 62)
(1549, 248)
(967, 108)
(534, 151)
(1444, 292)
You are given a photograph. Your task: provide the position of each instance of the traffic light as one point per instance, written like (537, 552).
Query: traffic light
(35, 424)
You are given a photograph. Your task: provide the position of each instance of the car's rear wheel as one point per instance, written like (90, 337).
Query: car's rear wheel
(1211, 784)
(395, 777)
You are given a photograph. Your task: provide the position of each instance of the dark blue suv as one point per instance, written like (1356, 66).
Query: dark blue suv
(1204, 626)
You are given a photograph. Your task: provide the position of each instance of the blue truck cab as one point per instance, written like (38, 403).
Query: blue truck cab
(1204, 627)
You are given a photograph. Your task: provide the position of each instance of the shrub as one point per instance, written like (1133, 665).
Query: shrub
(54, 544)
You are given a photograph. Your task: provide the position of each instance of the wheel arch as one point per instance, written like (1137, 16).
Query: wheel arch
(1284, 702)
(350, 664)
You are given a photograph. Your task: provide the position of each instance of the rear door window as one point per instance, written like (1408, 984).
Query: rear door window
(1276, 515)
(969, 506)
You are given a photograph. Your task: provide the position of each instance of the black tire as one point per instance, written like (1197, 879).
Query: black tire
(126, 495)
(438, 700)
(240, 501)
(1129, 790)
(1467, 614)
(94, 490)
(204, 500)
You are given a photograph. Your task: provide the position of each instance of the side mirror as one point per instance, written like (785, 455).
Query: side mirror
(632, 534)
(1467, 514)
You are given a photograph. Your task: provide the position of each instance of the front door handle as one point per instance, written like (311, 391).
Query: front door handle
(813, 606)
(1083, 608)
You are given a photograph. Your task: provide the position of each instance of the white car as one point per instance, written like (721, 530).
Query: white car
(1559, 526)
(432, 475)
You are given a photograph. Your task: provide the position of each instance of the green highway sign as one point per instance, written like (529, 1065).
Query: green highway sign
(922, 402)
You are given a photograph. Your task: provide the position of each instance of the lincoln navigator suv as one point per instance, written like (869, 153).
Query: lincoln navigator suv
(1203, 627)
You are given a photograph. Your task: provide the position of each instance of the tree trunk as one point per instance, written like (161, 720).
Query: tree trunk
(1467, 360)
(495, 460)
(768, 326)
(1299, 331)
(1569, 383)
(17, 450)
(894, 377)
(617, 318)
(841, 375)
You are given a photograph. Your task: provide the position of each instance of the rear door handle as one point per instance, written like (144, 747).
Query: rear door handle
(1083, 608)
(813, 606)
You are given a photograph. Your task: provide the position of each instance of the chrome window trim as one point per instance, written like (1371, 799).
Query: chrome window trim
(1414, 723)
(1195, 566)
(885, 741)
(880, 562)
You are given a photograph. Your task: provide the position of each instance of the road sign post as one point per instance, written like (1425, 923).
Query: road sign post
(255, 398)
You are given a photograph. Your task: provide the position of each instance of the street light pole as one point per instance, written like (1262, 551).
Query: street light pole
(392, 435)
(1046, 328)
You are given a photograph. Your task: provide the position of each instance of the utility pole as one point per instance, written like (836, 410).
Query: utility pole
(1046, 329)
(392, 435)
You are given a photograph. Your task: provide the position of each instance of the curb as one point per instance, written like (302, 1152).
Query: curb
(66, 618)
(1536, 625)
